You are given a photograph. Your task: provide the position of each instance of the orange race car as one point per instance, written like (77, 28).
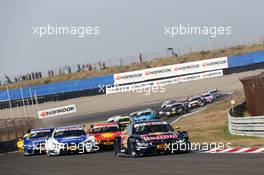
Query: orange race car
(105, 133)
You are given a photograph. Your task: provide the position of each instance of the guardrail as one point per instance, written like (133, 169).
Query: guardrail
(245, 126)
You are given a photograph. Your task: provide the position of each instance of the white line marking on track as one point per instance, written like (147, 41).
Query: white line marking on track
(186, 115)
(13, 152)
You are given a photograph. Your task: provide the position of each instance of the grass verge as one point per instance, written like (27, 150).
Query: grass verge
(210, 125)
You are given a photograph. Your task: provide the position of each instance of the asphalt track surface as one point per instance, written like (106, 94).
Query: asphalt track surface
(104, 162)
(107, 163)
(100, 116)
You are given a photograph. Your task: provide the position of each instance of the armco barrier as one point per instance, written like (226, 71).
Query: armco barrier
(8, 146)
(245, 126)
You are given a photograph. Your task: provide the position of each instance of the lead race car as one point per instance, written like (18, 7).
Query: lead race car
(70, 139)
(151, 137)
(34, 142)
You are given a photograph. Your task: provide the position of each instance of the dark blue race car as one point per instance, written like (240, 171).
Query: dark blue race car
(151, 137)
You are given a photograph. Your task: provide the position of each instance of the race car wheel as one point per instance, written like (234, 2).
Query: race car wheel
(131, 150)
(26, 153)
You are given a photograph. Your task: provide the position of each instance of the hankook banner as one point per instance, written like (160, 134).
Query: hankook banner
(56, 111)
(171, 70)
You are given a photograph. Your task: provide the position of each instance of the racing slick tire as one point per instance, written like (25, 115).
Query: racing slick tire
(131, 151)
(26, 153)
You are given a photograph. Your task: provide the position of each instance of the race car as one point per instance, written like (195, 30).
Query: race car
(105, 133)
(122, 120)
(151, 137)
(175, 109)
(216, 93)
(70, 139)
(144, 115)
(209, 98)
(196, 101)
(34, 142)
(168, 103)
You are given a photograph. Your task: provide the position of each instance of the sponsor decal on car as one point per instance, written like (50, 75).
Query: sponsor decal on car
(159, 137)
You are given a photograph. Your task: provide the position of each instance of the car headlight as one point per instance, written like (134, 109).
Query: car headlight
(56, 145)
(141, 143)
(29, 145)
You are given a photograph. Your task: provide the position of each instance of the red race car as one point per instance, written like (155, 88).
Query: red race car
(105, 133)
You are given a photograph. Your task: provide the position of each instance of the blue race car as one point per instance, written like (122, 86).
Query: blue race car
(70, 139)
(144, 115)
(35, 142)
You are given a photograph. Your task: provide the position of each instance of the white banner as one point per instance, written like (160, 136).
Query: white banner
(57, 111)
(199, 76)
(164, 82)
(171, 70)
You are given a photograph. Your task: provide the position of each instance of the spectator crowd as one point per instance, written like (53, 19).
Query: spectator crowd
(50, 73)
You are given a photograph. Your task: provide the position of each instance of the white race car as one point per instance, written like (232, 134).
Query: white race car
(70, 139)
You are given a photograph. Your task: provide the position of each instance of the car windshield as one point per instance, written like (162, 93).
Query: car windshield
(146, 129)
(37, 135)
(105, 129)
(142, 114)
(176, 105)
(195, 99)
(124, 120)
(69, 133)
(206, 95)
(172, 101)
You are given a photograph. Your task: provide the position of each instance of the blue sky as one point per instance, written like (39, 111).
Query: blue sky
(126, 28)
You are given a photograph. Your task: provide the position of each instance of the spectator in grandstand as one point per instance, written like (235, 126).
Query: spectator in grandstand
(8, 81)
(140, 58)
(104, 65)
(79, 68)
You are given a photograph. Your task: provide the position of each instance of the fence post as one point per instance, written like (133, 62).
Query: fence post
(229, 120)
